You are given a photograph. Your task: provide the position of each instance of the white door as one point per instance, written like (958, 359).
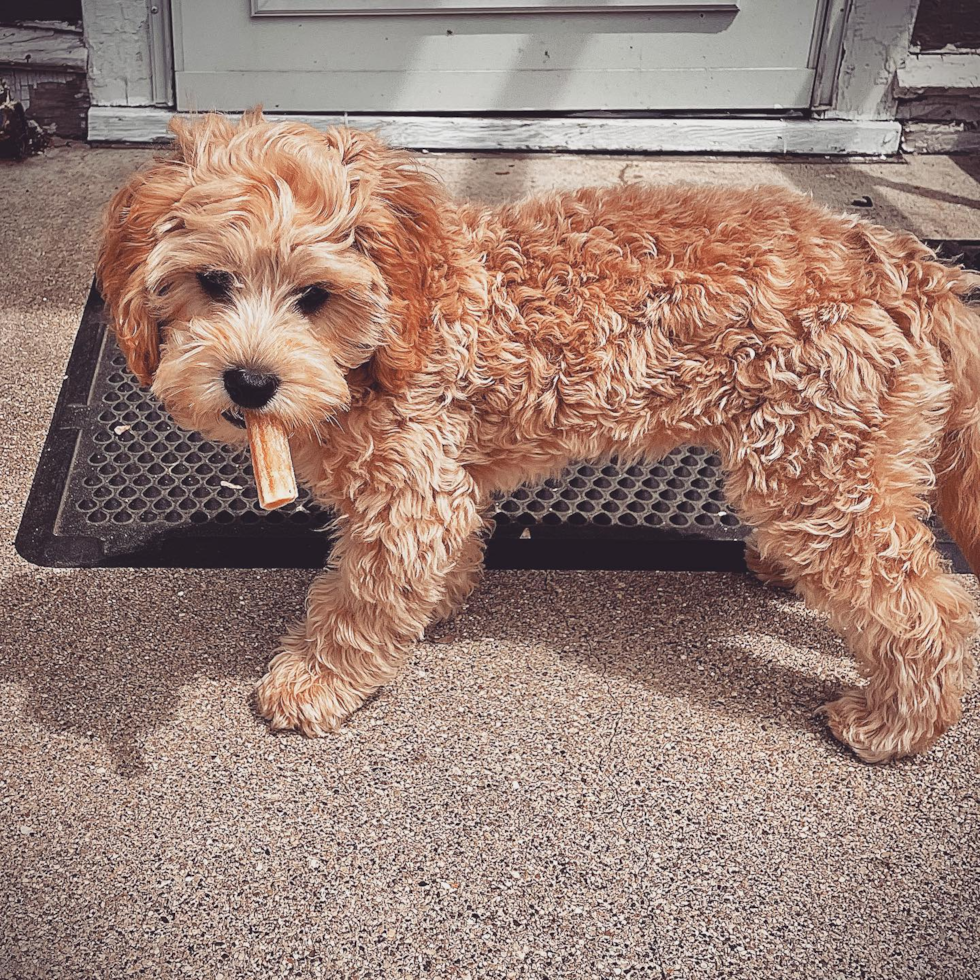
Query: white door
(430, 56)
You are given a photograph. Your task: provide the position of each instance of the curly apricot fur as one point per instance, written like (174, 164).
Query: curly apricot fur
(465, 349)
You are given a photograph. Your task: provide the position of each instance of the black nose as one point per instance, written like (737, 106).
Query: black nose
(250, 389)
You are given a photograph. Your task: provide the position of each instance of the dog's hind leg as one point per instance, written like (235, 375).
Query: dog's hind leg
(958, 472)
(958, 503)
(870, 562)
(958, 495)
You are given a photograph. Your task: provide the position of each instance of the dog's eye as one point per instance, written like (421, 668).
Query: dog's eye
(215, 283)
(311, 299)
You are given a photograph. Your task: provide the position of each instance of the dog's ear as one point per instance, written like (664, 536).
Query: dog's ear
(399, 224)
(131, 228)
(134, 223)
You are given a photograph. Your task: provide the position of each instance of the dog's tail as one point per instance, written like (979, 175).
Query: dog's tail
(958, 470)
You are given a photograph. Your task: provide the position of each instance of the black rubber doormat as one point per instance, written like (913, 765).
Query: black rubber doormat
(119, 485)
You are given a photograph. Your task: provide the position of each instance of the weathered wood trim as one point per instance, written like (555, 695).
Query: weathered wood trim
(118, 38)
(954, 107)
(605, 134)
(876, 42)
(48, 25)
(36, 47)
(932, 72)
(931, 137)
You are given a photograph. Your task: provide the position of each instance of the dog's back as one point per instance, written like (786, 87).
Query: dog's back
(623, 319)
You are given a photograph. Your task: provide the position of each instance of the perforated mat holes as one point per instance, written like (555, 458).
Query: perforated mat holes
(683, 490)
(142, 469)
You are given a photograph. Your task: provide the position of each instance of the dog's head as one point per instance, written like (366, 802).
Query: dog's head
(261, 263)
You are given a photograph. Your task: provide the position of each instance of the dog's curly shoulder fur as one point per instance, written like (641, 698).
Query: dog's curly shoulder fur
(428, 355)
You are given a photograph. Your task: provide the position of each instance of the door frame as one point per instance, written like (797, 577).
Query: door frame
(857, 51)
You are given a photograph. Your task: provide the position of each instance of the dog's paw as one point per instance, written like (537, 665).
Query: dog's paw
(881, 734)
(447, 609)
(767, 572)
(303, 695)
(459, 588)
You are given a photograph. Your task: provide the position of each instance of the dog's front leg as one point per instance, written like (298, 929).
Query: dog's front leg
(403, 536)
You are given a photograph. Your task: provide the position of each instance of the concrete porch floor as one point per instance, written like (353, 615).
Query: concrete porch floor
(586, 775)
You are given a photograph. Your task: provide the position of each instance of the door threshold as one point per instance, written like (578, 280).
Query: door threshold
(600, 134)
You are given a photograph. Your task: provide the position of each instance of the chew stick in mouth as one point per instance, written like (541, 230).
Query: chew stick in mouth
(273, 466)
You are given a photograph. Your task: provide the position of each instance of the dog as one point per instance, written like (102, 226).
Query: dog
(426, 355)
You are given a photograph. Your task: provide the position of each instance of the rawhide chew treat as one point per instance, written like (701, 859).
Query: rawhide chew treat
(271, 461)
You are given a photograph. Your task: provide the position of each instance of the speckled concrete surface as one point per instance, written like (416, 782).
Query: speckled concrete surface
(586, 775)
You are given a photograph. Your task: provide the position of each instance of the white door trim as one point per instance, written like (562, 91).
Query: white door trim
(828, 36)
(121, 124)
(161, 53)
(331, 8)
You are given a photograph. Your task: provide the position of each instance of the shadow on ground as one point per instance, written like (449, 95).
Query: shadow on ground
(722, 641)
(97, 665)
(858, 189)
(969, 163)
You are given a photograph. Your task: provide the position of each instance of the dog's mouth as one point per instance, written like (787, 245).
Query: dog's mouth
(235, 417)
